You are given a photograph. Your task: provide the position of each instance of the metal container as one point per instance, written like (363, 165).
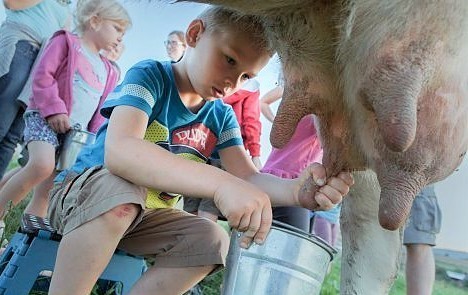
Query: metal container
(74, 140)
(290, 262)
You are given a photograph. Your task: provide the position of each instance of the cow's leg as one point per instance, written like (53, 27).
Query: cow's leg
(371, 254)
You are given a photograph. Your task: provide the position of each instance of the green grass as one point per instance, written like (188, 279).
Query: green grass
(331, 285)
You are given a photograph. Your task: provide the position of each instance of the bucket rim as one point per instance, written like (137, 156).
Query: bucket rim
(82, 131)
(278, 225)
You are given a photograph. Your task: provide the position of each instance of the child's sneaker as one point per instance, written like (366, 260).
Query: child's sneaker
(32, 223)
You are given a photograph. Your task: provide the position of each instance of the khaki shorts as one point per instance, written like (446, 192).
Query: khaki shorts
(171, 237)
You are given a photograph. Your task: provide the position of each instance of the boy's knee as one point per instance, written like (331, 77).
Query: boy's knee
(214, 235)
(121, 217)
(125, 211)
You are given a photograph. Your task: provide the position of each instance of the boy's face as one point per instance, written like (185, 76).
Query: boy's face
(218, 63)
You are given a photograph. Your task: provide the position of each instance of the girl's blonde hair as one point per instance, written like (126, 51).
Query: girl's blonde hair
(105, 9)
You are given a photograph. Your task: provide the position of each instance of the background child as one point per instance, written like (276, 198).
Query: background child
(71, 81)
(159, 135)
(246, 105)
(175, 45)
(28, 24)
(325, 224)
(419, 237)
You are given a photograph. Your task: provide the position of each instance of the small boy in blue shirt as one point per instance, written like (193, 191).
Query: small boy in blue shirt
(165, 121)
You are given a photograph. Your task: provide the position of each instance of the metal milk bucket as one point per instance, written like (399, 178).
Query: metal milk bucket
(290, 262)
(74, 140)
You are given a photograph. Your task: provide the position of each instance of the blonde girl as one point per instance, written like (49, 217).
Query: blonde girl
(71, 82)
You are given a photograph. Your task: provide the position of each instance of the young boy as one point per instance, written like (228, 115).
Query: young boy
(160, 116)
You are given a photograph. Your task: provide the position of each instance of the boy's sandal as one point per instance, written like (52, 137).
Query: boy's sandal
(32, 224)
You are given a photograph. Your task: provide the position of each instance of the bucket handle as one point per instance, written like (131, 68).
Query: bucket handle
(77, 127)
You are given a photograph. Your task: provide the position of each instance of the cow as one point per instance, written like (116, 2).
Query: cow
(388, 82)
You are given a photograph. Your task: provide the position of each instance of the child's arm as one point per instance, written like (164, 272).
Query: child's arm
(19, 4)
(131, 157)
(45, 87)
(269, 98)
(251, 126)
(311, 190)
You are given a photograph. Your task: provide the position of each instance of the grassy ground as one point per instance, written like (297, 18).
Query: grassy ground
(331, 285)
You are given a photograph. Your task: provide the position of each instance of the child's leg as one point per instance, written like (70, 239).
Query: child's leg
(39, 167)
(334, 233)
(184, 246)
(161, 280)
(38, 204)
(85, 251)
(322, 228)
(8, 175)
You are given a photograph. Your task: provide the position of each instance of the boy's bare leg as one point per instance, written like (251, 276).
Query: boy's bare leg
(85, 252)
(170, 281)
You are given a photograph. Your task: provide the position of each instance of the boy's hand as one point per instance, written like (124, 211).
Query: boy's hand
(246, 208)
(60, 123)
(316, 192)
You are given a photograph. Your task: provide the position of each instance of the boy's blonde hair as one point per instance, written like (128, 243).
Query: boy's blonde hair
(105, 9)
(222, 19)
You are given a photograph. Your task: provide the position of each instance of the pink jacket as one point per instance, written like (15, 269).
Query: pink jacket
(245, 103)
(53, 79)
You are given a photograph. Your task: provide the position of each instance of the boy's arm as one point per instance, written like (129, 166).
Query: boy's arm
(141, 162)
(311, 190)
